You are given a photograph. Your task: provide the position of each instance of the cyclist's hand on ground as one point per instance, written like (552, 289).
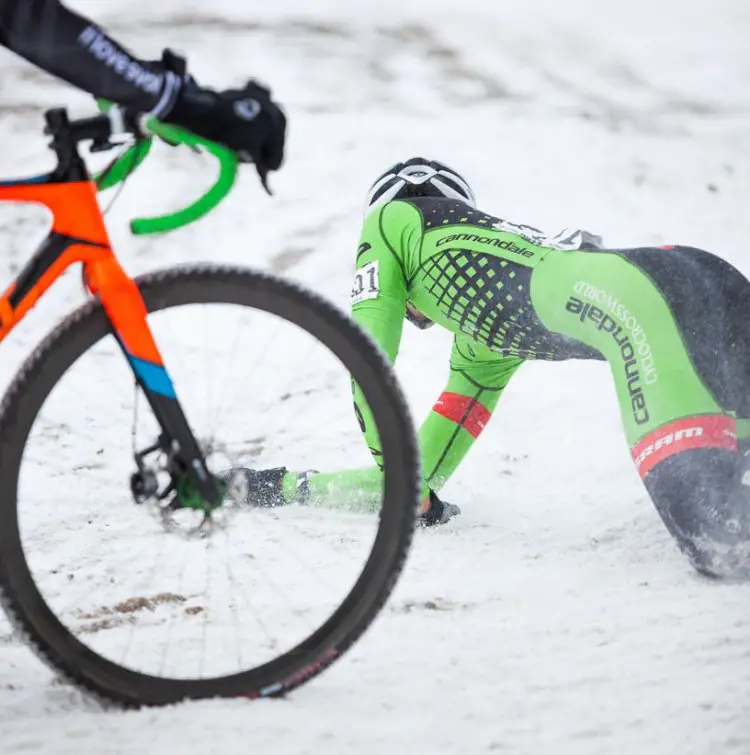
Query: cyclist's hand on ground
(246, 120)
(434, 510)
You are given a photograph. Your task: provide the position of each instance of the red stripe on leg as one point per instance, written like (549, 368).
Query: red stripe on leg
(706, 431)
(464, 411)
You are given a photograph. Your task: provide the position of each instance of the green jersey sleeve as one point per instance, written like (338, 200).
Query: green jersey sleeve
(476, 381)
(378, 299)
(379, 290)
(378, 306)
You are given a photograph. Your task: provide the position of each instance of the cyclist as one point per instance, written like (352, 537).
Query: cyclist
(73, 48)
(673, 323)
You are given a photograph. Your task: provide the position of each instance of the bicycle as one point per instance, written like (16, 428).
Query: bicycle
(175, 473)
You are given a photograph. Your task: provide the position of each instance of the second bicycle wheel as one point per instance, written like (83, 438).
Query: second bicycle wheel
(143, 608)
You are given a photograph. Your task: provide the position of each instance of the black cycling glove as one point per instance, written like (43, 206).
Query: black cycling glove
(246, 120)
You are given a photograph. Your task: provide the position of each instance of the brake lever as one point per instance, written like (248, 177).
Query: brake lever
(263, 175)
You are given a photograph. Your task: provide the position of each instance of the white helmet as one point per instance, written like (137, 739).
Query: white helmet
(418, 177)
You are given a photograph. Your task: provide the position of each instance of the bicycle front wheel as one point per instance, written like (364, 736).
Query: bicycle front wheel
(143, 611)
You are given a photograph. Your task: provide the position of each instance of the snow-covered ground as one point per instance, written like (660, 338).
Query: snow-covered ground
(555, 615)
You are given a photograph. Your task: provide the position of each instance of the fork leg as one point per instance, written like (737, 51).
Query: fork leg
(126, 310)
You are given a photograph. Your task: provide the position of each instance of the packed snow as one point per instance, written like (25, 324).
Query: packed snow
(555, 615)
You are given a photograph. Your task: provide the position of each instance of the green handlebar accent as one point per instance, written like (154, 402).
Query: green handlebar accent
(129, 161)
(123, 166)
(204, 204)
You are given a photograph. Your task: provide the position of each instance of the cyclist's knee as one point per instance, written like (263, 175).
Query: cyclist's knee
(721, 561)
(706, 509)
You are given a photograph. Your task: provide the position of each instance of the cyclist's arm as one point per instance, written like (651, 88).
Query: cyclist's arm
(72, 48)
(476, 381)
(378, 300)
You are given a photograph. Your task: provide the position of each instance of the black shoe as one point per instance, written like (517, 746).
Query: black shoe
(259, 488)
(438, 513)
(264, 488)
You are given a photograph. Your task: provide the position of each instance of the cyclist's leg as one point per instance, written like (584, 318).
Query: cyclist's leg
(699, 492)
(670, 323)
(736, 293)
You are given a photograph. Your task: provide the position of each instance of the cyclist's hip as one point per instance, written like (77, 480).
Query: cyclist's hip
(665, 319)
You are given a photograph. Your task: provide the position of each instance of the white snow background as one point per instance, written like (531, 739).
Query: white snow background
(555, 615)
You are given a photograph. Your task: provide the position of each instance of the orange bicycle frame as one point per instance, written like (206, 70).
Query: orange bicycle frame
(78, 235)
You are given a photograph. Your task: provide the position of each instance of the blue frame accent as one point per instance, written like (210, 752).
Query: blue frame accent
(153, 376)
(23, 181)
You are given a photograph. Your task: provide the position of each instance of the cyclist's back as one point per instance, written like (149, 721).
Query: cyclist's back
(471, 273)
